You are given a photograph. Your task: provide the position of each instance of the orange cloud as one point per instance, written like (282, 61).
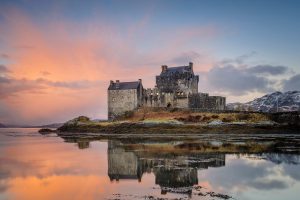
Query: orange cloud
(71, 53)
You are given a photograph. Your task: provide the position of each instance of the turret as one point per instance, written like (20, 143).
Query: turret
(117, 84)
(191, 65)
(164, 68)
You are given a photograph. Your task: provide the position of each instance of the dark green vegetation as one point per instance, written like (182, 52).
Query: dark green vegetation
(189, 123)
(142, 128)
(45, 131)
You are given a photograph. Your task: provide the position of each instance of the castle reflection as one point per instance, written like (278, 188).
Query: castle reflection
(174, 171)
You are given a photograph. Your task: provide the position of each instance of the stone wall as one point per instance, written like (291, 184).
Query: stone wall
(181, 102)
(155, 98)
(120, 101)
(178, 81)
(216, 103)
(199, 100)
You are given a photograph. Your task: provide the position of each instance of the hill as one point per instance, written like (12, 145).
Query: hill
(274, 102)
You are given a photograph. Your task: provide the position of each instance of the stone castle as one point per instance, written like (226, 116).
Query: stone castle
(176, 87)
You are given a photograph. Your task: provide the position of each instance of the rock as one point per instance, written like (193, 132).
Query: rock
(45, 131)
(80, 119)
(216, 122)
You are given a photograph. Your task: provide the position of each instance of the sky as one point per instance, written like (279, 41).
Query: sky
(57, 57)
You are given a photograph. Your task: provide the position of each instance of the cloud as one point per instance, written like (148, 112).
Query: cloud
(234, 80)
(64, 66)
(186, 57)
(4, 80)
(238, 61)
(292, 84)
(268, 69)
(11, 86)
(79, 84)
(64, 63)
(45, 73)
(4, 56)
(246, 174)
(237, 77)
(269, 184)
(3, 69)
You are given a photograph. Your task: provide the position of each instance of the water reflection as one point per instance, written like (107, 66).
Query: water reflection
(173, 172)
(123, 164)
(176, 165)
(136, 169)
(178, 171)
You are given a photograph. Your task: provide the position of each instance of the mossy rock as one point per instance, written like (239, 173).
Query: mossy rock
(45, 131)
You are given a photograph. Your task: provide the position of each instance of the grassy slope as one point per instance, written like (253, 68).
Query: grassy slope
(161, 115)
(166, 122)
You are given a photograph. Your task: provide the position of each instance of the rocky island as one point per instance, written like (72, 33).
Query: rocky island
(175, 109)
(162, 122)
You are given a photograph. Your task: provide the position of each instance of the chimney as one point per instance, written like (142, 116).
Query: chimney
(140, 80)
(117, 84)
(111, 82)
(164, 68)
(191, 65)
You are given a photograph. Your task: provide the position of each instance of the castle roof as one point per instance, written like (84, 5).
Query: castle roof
(124, 85)
(180, 69)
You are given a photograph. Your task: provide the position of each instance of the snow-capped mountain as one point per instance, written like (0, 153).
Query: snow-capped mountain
(277, 101)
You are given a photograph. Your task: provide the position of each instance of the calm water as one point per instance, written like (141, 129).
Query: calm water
(46, 167)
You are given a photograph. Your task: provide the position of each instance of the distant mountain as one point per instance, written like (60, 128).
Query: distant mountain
(55, 125)
(277, 101)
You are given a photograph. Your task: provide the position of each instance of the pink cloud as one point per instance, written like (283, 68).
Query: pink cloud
(76, 53)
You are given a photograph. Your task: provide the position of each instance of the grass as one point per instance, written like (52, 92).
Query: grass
(164, 115)
(161, 121)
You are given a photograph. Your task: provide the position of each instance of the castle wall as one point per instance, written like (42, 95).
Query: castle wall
(180, 79)
(120, 101)
(194, 85)
(216, 103)
(186, 82)
(182, 102)
(155, 98)
(168, 100)
(199, 100)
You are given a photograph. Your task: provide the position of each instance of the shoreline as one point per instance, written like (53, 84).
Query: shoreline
(162, 123)
(177, 129)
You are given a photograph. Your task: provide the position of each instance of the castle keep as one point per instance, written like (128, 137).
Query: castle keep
(176, 87)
